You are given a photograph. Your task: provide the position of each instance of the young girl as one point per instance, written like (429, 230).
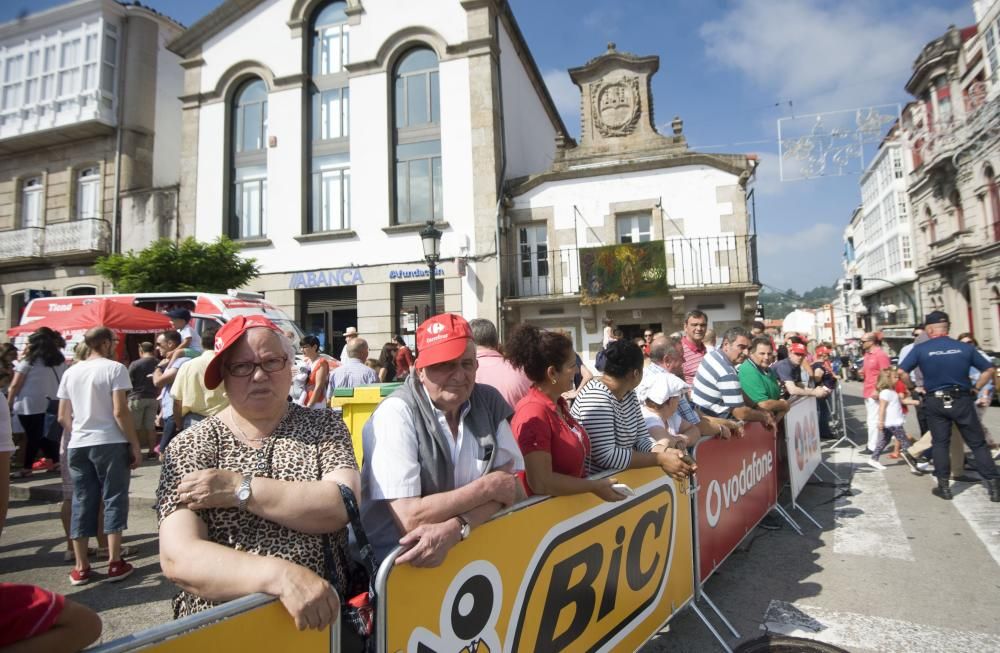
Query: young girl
(890, 415)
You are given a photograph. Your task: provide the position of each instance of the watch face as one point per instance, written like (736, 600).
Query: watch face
(243, 494)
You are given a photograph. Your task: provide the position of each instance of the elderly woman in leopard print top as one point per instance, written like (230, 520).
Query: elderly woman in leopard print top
(247, 497)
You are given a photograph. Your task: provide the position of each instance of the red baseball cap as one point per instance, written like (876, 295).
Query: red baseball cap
(820, 351)
(441, 338)
(797, 348)
(227, 336)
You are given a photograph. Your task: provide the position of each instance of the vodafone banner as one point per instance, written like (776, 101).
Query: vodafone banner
(737, 486)
(802, 440)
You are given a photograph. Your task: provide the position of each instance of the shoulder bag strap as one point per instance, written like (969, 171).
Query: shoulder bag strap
(365, 548)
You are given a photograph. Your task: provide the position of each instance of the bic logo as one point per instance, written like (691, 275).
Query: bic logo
(469, 613)
(595, 579)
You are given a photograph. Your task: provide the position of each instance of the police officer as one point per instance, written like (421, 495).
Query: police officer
(945, 364)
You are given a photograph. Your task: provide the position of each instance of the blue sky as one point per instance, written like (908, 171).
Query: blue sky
(730, 69)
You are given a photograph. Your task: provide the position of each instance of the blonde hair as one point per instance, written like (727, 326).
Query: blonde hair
(886, 379)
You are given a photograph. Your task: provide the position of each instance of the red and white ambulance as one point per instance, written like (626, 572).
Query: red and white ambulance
(208, 310)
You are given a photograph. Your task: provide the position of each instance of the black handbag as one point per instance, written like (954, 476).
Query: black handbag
(357, 608)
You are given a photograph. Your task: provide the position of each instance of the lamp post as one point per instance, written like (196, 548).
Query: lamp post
(430, 238)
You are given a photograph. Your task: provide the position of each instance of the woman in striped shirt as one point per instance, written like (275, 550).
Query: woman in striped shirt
(609, 411)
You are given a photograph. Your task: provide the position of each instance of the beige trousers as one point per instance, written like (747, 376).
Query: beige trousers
(956, 452)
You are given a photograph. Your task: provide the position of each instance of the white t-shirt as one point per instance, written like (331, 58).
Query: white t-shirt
(6, 439)
(894, 410)
(392, 469)
(40, 385)
(188, 332)
(653, 420)
(88, 385)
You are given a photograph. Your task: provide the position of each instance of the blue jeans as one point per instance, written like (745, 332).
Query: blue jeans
(191, 419)
(99, 473)
(169, 431)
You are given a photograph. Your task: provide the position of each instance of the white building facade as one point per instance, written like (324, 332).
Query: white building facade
(629, 224)
(87, 89)
(327, 150)
(880, 245)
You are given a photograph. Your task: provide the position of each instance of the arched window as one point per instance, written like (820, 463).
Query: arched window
(248, 201)
(81, 290)
(32, 202)
(417, 120)
(88, 185)
(993, 193)
(956, 203)
(329, 138)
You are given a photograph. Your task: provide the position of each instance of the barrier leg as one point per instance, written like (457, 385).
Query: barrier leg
(843, 423)
(788, 518)
(808, 516)
(711, 628)
(832, 473)
(718, 612)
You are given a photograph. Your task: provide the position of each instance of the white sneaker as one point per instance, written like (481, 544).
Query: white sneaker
(925, 467)
(871, 462)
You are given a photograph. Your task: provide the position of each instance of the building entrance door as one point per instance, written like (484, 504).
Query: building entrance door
(326, 313)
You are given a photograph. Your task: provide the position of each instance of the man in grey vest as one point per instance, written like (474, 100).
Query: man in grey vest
(439, 455)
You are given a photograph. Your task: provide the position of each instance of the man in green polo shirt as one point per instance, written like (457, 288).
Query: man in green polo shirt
(760, 386)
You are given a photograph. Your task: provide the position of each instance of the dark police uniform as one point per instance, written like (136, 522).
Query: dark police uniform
(945, 364)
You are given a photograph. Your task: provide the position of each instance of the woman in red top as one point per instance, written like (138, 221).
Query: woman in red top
(314, 395)
(554, 445)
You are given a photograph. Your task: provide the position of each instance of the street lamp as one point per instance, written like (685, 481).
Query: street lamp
(430, 238)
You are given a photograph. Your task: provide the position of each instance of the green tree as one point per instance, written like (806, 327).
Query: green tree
(168, 266)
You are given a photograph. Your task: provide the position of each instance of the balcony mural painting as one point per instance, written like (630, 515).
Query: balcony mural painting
(616, 272)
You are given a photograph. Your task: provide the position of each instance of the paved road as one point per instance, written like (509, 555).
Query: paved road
(892, 569)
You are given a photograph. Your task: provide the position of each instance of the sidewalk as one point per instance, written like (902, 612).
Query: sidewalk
(48, 486)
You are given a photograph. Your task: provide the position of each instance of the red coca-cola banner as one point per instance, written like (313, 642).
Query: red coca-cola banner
(737, 486)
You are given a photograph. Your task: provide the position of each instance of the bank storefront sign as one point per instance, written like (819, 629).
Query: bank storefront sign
(326, 278)
(413, 273)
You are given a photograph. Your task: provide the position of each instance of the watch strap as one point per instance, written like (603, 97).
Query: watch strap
(466, 528)
(244, 493)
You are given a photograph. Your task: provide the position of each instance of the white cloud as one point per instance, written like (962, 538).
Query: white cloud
(566, 95)
(825, 55)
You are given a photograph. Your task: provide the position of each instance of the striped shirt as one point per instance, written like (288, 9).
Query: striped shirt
(616, 428)
(716, 387)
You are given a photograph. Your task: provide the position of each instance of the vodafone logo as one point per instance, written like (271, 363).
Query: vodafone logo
(435, 328)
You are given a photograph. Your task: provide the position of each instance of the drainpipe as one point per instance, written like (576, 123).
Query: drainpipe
(503, 175)
(119, 131)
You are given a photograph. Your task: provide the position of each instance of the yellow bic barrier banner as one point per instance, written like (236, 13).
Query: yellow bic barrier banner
(264, 628)
(568, 573)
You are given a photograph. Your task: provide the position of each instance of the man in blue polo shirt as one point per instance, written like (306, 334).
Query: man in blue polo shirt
(950, 399)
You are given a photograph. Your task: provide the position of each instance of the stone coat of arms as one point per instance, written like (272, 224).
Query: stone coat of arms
(615, 106)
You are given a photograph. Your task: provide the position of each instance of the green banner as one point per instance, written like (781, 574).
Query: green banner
(616, 272)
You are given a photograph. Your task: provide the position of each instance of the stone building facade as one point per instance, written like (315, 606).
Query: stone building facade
(86, 89)
(953, 127)
(628, 197)
(326, 152)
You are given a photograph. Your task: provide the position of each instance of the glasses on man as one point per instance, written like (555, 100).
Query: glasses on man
(247, 368)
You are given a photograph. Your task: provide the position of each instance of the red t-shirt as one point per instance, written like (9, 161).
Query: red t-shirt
(404, 360)
(27, 611)
(875, 360)
(902, 391)
(538, 427)
(693, 353)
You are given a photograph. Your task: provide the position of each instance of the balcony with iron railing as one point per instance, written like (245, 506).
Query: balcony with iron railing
(711, 262)
(74, 240)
